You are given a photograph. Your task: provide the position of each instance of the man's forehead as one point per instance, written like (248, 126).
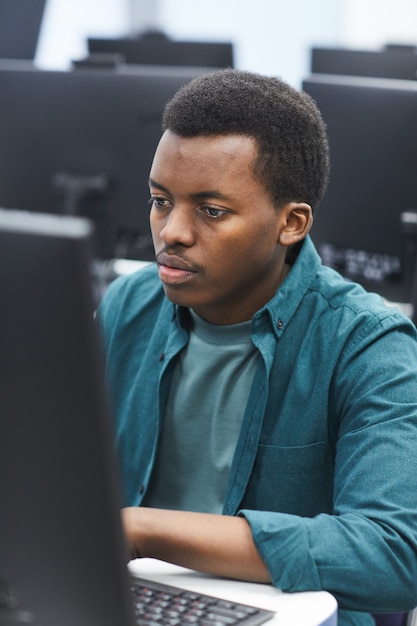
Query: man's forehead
(220, 152)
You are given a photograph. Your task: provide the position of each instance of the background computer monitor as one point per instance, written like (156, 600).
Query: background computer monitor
(20, 22)
(390, 62)
(82, 142)
(158, 49)
(363, 226)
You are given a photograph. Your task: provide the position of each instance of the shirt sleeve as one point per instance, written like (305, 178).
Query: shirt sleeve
(365, 553)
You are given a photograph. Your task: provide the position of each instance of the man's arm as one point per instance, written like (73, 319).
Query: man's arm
(216, 544)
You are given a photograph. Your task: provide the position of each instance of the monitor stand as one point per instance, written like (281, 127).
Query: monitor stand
(75, 187)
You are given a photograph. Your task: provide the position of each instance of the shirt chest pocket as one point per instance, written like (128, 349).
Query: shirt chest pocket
(296, 480)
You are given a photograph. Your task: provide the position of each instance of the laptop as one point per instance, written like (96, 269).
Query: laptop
(63, 557)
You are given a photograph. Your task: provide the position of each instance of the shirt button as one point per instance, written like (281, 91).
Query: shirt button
(161, 356)
(280, 324)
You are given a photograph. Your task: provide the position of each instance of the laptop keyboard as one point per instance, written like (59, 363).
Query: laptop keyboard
(157, 604)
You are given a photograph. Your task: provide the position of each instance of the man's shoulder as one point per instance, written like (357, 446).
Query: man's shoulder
(352, 304)
(144, 278)
(133, 293)
(315, 295)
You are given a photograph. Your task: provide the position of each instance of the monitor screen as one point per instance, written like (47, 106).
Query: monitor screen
(363, 227)
(391, 62)
(81, 142)
(20, 23)
(160, 50)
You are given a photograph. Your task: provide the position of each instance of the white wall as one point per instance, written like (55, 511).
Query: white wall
(372, 23)
(270, 36)
(67, 23)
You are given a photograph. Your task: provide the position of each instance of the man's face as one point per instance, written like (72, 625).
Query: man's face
(215, 229)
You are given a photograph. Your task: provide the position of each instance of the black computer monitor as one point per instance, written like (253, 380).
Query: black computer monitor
(158, 49)
(392, 61)
(364, 225)
(81, 142)
(20, 23)
(62, 553)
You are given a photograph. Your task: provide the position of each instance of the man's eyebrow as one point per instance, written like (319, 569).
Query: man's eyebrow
(153, 183)
(210, 193)
(198, 195)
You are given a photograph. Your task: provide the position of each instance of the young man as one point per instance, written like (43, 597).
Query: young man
(266, 408)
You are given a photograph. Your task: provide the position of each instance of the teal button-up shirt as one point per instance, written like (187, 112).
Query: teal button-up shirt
(325, 469)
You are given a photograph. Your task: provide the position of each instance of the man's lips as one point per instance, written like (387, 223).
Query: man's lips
(173, 270)
(173, 261)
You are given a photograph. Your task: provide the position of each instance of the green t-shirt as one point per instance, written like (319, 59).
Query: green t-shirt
(207, 399)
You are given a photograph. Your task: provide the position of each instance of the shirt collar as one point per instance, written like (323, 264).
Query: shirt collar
(280, 309)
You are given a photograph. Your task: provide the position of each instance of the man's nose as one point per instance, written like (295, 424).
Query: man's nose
(178, 227)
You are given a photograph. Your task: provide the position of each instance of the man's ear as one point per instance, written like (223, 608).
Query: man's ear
(296, 219)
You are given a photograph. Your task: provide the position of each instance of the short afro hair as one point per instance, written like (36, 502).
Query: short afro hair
(293, 151)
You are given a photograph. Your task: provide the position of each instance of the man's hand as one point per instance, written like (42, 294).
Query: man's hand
(216, 544)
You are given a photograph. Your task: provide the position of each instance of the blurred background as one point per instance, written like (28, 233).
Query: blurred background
(269, 36)
(83, 84)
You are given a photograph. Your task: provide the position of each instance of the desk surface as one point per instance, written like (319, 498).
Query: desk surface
(292, 609)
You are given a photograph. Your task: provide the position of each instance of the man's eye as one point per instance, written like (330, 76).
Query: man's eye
(158, 202)
(213, 212)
